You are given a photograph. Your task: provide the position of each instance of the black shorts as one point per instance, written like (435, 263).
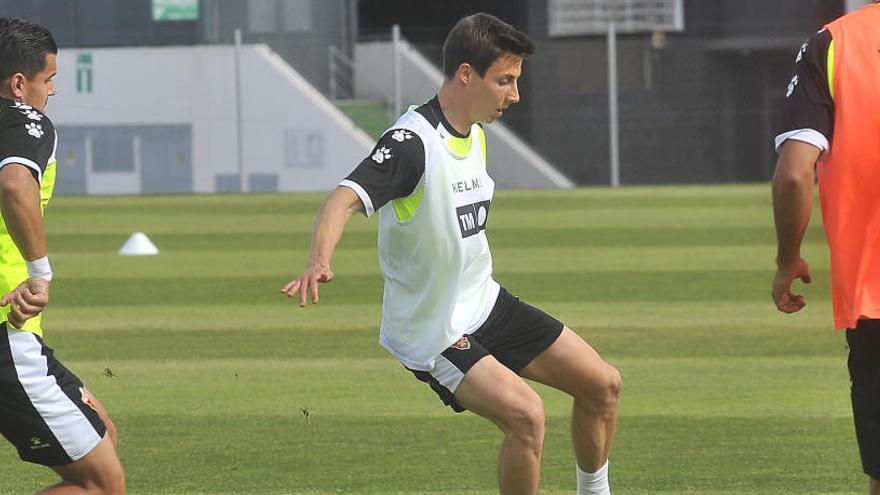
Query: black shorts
(515, 333)
(864, 371)
(45, 412)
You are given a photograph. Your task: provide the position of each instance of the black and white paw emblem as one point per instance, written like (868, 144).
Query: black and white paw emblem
(801, 52)
(401, 135)
(35, 130)
(792, 85)
(32, 114)
(381, 155)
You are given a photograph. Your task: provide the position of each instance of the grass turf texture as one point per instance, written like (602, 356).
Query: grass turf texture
(214, 368)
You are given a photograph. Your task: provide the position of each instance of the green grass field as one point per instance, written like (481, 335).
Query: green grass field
(722, 394)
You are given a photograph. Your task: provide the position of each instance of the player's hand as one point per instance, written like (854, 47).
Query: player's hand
(26, 301)
(786, 274)
(307, 283)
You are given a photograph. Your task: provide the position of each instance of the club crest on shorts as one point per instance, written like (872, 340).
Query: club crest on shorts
(461, 344)
(87, 399)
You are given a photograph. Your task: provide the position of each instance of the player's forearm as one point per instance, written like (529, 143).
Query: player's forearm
(793, 199)
(329, 224)
(20, 205)
(792, 205)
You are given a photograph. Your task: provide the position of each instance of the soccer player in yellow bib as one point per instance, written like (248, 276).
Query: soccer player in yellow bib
(46, 412)
(13, 268)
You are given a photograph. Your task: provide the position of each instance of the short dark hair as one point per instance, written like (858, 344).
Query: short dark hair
(23, 47)
(479, 40)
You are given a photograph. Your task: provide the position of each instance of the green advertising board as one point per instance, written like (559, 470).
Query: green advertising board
(175, 10)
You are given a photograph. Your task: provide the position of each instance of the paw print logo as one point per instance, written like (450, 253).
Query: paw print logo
(401, 135)
(32, 114)
(381, 155)
(801, 52)
(35, 130)
(792, 85)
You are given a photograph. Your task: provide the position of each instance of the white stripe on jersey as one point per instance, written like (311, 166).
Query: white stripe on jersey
(810, 136)
(54, 149)
(69, 425)
(25, 162)
(365, 198)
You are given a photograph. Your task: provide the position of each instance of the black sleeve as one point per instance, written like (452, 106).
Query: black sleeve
(392, 170)
(809, 104)
(27, 137)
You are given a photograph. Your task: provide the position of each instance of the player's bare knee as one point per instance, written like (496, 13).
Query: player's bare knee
(610, 390)
(117, 485)
(108, 479)
(108, 482)
(112, 481)
(615, 383)
(602, 394)
(525, 423)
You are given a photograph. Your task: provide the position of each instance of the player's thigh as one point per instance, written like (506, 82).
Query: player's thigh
(99, 468)
(573, 366)
(495, 392)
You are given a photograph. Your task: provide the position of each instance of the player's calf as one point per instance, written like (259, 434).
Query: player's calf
(594, 419)
(519, 460)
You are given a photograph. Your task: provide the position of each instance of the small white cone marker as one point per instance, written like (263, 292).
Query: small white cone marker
(138, 245)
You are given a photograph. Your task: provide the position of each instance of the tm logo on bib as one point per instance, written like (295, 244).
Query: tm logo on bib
(472, 218)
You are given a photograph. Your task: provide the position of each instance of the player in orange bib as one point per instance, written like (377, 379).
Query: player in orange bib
(832, 124)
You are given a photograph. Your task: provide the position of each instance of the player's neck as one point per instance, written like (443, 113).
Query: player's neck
(454, 108)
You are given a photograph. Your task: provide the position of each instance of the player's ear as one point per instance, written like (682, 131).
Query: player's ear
(464, 73)
(15, 85)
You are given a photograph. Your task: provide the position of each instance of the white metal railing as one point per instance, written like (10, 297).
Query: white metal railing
(341, 70)
(584, 17)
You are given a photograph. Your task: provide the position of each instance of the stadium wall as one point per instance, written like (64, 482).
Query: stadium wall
(299, 30)
(163, 120)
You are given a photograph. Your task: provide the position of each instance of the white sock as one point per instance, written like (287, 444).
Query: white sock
(593, 483)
